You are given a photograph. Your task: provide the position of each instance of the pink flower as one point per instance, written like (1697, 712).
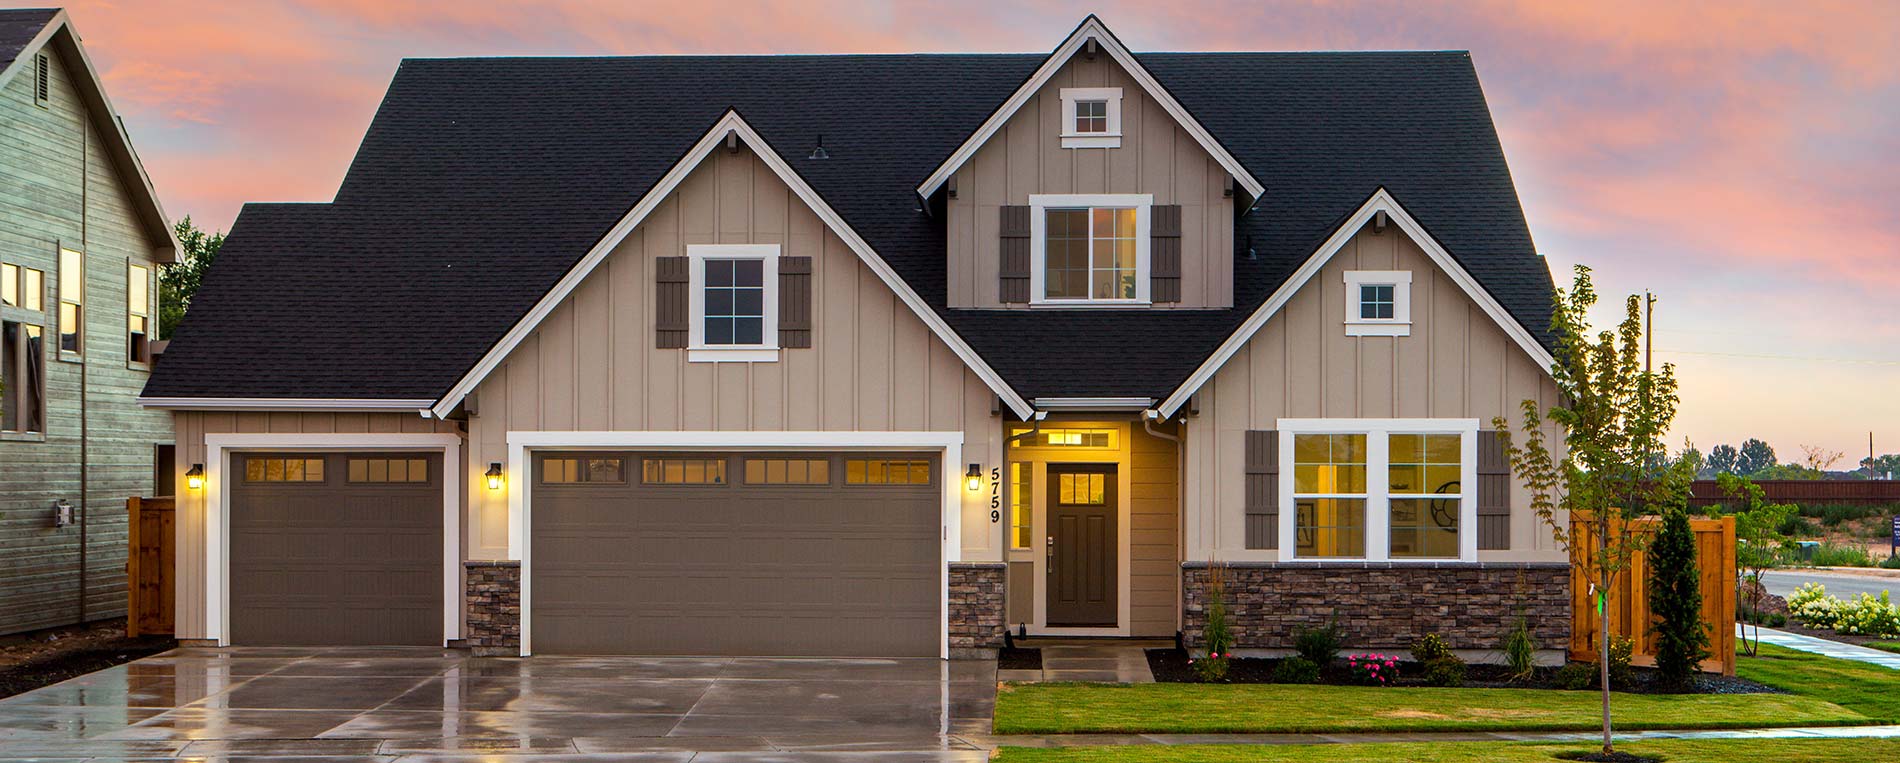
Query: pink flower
(1391, 664)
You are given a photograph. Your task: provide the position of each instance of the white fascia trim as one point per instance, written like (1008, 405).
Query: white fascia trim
(1094, 403)
(286, 404)
(714, 138)
(1091, 28)
(1381, 201)
(1142, 203)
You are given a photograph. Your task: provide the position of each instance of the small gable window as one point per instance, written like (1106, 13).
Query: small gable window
(1089, 249)
(1091, 117)
(734, 302)
(1378, 303)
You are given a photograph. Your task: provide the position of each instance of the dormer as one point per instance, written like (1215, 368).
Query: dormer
(1090, 187)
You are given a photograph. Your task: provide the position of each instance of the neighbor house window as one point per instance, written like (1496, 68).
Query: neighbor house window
(734, 302)
(1379, 489)
(72, 299)
(1378, 303)
(583, 470)
(22, 377)
(22, 287)
(1091, 117)
(683, 471)
(42, 79)
(880, 471)
(1022, 506)
(1089, 249)
(138, 344)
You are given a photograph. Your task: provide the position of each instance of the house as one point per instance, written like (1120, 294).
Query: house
(875, 355)
(81, 238)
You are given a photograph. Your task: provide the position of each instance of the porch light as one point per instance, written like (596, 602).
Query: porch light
(973, 479)
(494, 475)
(195, 479)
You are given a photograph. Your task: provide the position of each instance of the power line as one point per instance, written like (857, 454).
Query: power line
(1760, 356)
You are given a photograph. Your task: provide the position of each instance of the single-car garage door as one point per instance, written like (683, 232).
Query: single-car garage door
(788, 554)
(336, 548)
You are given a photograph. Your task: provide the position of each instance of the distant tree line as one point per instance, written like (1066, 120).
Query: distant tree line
(1756, 460)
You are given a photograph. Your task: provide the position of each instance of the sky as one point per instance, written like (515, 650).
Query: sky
(1740, 159)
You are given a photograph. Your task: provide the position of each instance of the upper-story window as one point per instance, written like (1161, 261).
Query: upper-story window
(72, 301)
(1091, 117)
(138, 310)
(734, 302)
(22, 287)
(1089, 249)
(22, 377)
(1378, 303)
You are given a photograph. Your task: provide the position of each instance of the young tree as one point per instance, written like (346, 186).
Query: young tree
(1694, 461)
(1754, 456)
(1757, 535)
(1675, 597)
(1614, 414)
(1722, 459)
(178, 281)
(1820, 459)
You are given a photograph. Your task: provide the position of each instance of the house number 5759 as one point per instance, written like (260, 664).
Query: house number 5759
(996, 495)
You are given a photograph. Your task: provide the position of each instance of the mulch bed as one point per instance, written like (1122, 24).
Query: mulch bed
(1018, 658)
(1614, 757)
(1171, 666)
(29, 661)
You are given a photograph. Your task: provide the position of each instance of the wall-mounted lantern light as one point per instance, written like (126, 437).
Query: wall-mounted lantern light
(973, 479)
(195, 479)
(494, 475)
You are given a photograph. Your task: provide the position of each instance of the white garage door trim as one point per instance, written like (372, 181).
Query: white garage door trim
(520, 505)
(218, 450)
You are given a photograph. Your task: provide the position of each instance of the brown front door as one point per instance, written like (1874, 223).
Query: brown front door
(1082, 543)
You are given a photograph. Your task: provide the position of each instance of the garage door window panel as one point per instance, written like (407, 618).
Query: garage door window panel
(289, 470)
(584, 470)
(683, 471)
(788, 471)
(886, 472)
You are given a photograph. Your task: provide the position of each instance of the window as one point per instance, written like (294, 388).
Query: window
(72, 297)
(886, 472)
(1085, 489)
(9, 285)
(42, 79)
(1091, 117)
(22, 287)
(683, 471)
(1379, 489)
(734, 302)
(1089, 249)
(1022, 506)
(138, 284)
(788, 471)
(587, 470)
(1378, 303)
(413, 470)
(22, 378)
(283, 470)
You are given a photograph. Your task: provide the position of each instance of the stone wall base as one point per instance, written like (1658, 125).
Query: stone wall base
(492, 591)
(977, 608)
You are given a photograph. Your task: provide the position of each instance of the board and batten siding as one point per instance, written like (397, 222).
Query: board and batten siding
(1457, 363)
(59, 187)
(1026, 157)
(593, 365)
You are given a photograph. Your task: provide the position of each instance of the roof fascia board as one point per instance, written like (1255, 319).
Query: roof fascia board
(1090, 28)
(167, 247)
(730, 123)
(1381, 201)
(1093, 403)
(285, 404)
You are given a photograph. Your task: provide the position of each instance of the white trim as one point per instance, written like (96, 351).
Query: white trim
(1400, 324)
(731, 123)
(1378, 495)
(285, 404)
(1111, 97)
(1091, 28)
(217, 519)
(1381, 201)
(697, 350)
(1040, 203)
(1093, 404)
(521, 507)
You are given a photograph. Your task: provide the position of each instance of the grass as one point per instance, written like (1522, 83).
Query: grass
(1673, 750)
(1890, 646)
(1870, 690)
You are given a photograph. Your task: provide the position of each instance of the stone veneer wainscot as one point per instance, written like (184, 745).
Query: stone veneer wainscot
(976, 608)
(492, 591)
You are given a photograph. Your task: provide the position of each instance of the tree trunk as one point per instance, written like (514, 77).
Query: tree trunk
(1603, 648)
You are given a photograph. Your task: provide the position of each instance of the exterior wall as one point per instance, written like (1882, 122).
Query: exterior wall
(592, 364)
(60, 188)
(1457, 363)
(976, 609)
(1026, 157)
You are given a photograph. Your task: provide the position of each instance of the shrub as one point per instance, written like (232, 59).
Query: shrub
(1676, 599)
(1520, 650)
(1431, 647)
(1891, 563)
(1295, 670)
(1797, 526)
(1810, 605)
(1833, 555)
(1445, 671)
(1577, 676)
(1870, 615)
(1218, 633)
(1622, 648)
(1373, 668)
(1319, 646)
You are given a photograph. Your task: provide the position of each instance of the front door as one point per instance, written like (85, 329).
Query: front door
(1081, 546)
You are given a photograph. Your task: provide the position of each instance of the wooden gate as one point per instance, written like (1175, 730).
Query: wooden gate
(1629, 596)
(148, 566)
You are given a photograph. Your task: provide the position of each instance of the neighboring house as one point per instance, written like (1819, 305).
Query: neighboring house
(875, 355)
(81, 238)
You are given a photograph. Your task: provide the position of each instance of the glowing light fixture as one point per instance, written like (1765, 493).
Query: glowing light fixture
(195, 479)
(494, 475)
(973, 479)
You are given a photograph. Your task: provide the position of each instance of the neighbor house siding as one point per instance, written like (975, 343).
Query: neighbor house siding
(1457, 363)
(59, 187)
(1026, 157)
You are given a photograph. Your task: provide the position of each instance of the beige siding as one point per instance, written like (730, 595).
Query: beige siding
(1156, 157)
(1154, 553)
(1457, 363)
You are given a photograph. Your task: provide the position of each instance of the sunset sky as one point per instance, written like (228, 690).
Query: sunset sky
(1740, 159)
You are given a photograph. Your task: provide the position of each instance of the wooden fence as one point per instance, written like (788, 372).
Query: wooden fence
(148, 566)
(1629, 596)
(1806, 492)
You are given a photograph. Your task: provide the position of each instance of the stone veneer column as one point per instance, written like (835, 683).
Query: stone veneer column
(1384, 606)
(976, 608)
(492, 590)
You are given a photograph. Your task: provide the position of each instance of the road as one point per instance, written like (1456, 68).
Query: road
(1843, 585)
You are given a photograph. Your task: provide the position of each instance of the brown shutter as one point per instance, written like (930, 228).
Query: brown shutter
(794, 302)
(672, 308)
(1164, 253)
(1013, 266)
(1263, 490)
(1494, 493)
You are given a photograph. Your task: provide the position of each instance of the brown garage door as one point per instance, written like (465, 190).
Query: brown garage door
(336, 548)
(736, 554)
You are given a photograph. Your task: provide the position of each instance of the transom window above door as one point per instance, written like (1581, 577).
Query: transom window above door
(734, 295)
(1089, 250)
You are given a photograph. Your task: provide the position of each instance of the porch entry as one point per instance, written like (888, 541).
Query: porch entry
(1082, 563)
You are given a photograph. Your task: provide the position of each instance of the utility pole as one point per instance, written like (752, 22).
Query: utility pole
(1649, 329)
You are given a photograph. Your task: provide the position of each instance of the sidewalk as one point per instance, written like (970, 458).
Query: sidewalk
(1828, 648)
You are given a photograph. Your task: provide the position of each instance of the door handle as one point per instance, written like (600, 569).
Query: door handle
(1050, 554)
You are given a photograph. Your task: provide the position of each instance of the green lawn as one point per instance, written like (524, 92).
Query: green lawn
(1870, 690)
(1674, 750)
(1891, 646)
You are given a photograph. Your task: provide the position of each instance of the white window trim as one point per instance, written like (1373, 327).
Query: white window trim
(1040, 203)
(1400, 324)
(1073, 139)
(1378, 496)
(697, 351)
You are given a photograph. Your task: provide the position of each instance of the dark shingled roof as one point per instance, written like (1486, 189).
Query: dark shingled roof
(482, 181)
(18, 26)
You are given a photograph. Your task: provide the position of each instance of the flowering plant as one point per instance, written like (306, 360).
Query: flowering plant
(1373, 668)
(1811, 606)
(1870, 615)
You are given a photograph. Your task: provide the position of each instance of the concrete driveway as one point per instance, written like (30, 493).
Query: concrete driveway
(417, 705)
